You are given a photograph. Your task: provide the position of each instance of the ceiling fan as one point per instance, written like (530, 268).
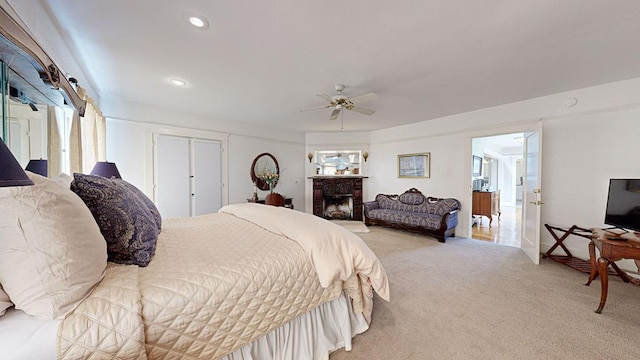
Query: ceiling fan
(339, 102)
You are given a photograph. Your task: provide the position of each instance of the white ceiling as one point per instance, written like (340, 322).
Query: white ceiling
(260, 62)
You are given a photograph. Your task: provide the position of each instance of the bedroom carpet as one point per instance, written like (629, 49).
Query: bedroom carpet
(353, 226)
(469, 299)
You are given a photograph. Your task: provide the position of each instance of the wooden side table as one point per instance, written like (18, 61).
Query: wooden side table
(612, 248)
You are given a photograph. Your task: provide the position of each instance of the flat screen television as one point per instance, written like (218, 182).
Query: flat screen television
(623, 204)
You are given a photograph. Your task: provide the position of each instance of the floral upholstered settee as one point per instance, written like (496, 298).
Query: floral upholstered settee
(414, 212)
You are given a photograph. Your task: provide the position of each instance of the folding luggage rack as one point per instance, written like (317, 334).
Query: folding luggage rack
(560, 234)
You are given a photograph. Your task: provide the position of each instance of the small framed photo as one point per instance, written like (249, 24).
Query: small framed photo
(477, 166)
(414, 165)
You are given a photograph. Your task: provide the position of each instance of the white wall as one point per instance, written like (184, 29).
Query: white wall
(291, 158)
(580, 155)
(126, 147)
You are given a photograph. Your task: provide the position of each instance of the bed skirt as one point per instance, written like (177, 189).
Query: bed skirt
(310, 336)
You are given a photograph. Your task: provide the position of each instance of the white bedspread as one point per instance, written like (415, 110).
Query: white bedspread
(216, 283)
(336, 253)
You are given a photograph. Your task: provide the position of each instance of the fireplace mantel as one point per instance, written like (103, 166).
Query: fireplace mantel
(337, 177)
(331, 186)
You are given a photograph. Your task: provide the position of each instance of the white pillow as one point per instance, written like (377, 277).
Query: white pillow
(64, 180)
(5, 303)
(51, 250)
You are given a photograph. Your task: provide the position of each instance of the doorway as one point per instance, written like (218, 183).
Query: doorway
(497, 189)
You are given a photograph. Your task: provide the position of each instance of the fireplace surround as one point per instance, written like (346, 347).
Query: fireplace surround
(338, 197)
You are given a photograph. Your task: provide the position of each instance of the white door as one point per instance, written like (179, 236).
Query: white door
(207, 177)
(188, 176)
(530, 242)
(173, 182)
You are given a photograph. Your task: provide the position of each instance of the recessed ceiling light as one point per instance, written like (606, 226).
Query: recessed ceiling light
(196, 20)
(178, 82)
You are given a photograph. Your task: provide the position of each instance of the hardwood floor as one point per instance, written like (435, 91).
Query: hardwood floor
(506, 231)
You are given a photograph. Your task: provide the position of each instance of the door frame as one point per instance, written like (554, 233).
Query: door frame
(521, 127)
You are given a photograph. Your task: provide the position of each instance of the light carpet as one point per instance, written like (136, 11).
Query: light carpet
(468, 299)
(353, 226)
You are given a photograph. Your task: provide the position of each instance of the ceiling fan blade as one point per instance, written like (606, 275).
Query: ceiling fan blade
(316, 108)
(363, 98)
(325, 96)
(335, 113)
(362, 110)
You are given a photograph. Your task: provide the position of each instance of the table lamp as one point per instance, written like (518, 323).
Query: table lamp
(106, 169)
(38, 167)
(11, 173)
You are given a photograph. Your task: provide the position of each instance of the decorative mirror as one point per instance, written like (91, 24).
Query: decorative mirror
(29, 83)
(263, 165)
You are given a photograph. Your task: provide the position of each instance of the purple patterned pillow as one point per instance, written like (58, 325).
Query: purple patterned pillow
(145, 199)
(125, 221)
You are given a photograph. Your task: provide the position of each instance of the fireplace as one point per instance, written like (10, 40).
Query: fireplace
(338, 207)
(338, 197)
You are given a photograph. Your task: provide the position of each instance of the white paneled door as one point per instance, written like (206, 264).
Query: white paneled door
(207, 177)
(173, 183)
(188, 176)
(530, 242)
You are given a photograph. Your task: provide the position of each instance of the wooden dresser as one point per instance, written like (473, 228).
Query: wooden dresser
(486, 203)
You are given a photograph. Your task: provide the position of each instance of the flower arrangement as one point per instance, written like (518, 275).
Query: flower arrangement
(270, 178)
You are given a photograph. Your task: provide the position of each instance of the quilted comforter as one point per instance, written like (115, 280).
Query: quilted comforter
(216, 283)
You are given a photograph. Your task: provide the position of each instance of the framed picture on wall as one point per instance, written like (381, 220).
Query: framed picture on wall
(414, 165)
(477, 166)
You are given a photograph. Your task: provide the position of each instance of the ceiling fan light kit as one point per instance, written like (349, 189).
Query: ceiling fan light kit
(339, 102)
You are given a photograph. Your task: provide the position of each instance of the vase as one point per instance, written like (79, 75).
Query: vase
(270, 188)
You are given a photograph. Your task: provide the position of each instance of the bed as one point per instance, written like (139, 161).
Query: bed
(250, 282)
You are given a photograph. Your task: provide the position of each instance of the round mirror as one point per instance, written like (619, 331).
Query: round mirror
(262, 165)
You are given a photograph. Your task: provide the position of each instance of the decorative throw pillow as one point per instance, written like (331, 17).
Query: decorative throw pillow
(5, 303)
(145, 199)
(52, 253)
(125, 221)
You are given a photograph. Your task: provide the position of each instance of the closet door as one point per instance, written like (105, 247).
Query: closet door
(207, 176)
(188, 176)
(173, 182)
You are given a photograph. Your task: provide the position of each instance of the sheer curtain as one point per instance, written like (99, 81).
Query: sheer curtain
(55, 146)
(75, 142)
(92, 135)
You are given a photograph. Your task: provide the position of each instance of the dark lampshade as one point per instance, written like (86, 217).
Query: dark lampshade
(11, 173)
(106, 169)
(38, 167)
